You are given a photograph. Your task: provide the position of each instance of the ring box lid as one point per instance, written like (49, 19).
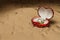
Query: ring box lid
(45, 13)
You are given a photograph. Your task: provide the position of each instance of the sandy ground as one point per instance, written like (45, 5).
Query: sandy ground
(15, 24)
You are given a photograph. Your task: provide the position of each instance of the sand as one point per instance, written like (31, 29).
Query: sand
(15, 24)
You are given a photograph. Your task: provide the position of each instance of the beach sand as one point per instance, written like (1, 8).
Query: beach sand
(15, 23)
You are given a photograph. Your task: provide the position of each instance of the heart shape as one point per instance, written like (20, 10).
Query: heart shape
(43, 20)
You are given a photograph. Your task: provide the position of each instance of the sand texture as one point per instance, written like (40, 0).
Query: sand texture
(15, 24)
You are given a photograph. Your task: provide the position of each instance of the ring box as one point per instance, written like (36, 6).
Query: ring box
(44, 16)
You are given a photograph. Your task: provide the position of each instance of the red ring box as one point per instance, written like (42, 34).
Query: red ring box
(43, 18)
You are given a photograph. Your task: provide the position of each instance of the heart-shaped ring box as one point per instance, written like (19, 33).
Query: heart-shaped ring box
(43, 20)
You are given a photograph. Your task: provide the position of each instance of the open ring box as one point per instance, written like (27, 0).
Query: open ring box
(43, 20)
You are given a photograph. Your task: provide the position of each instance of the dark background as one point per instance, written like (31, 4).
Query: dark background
(29, 1)
(3, 3)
